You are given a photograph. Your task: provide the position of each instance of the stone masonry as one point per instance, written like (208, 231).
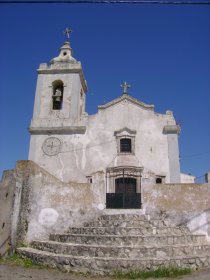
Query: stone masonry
(121, 242)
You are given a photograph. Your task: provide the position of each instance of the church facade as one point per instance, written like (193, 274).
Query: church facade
(126, 139)
(115, 168)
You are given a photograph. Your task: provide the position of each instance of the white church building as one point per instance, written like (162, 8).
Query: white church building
(126, 139)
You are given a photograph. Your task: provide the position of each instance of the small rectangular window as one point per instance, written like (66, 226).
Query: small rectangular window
(125, 145)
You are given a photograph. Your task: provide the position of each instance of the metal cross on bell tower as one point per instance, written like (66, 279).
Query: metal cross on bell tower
(67, 32)
(125, 87)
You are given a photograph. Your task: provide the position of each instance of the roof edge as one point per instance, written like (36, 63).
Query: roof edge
(129, 98)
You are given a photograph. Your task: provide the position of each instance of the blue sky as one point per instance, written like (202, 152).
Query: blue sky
(163, 51)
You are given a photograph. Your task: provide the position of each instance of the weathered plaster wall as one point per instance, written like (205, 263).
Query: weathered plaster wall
(75, 160)
(49, 205)
(7, 191)
(43, 104)
(186, 178)
(184, 203)
(150, 142)
(84, 137)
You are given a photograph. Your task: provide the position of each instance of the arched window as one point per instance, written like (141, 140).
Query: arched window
(57, 96)
(125, 145)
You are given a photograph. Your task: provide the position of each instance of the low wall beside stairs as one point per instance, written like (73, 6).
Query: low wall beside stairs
(49, 205)
(187, 204)
(44, 204)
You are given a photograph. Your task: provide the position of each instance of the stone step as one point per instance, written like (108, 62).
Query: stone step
(128, 230)
(102, 265)
(126, 240)
(127, 252)
(119, 217)
(128, 223)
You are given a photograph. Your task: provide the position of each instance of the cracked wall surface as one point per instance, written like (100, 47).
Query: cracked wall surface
(49, 205)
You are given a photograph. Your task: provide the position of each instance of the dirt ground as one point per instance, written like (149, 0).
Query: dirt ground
(14, 272)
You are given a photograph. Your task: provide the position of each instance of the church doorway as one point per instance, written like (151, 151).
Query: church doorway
(123, 188)
(126, 187)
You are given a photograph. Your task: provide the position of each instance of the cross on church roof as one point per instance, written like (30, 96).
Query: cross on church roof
(67, 32)
(125, 87)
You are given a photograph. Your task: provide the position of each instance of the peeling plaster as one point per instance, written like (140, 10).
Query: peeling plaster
(100, 206)
(75, 154)
(62, 167)
(199, 223)
(80, 146)
(48, 217)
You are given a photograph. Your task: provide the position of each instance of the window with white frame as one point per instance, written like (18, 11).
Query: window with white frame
(125, 141)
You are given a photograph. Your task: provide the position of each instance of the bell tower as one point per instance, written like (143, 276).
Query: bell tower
(59, 106)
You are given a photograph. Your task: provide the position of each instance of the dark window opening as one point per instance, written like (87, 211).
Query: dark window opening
(57, 96)
(125, 145)
(158, 180)
(89, 179)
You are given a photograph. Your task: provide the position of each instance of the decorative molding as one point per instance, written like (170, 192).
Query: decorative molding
(57, 130)
(119, 169)
(171, 129)
(78, 70)
(129, 131)
(125, 133)
(126, 97)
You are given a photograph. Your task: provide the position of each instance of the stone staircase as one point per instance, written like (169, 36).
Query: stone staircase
(121, 242)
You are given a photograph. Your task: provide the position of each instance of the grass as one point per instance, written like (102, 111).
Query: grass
(158, 273)
(15, 259)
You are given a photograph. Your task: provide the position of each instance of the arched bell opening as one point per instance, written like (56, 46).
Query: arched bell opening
(57, 96)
